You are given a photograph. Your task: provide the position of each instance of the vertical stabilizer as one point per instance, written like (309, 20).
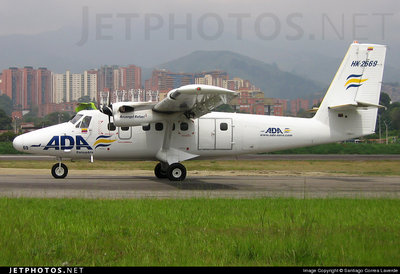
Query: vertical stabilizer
(351, 103)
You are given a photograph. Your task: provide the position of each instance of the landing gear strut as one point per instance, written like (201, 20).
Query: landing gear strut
(174, 172)
(59, 171)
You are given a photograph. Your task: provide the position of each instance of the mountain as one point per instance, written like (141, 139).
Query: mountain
(273, 81)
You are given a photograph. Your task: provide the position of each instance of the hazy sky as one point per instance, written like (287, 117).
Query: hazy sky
(371, 19)
(152, 32)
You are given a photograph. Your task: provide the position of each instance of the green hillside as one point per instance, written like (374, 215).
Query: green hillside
(273, 81)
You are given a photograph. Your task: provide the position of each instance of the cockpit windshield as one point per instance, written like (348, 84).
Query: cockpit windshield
(86, 122)
(76, 118)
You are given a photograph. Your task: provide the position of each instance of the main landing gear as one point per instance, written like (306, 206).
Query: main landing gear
(174, 172)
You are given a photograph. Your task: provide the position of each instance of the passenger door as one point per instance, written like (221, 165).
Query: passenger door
(215, 133)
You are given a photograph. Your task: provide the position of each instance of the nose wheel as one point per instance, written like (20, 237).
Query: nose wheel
(59, 171)
(174, 172)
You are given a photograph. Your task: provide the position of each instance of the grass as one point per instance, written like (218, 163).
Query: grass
(203, 232)
(363, 168)
(345, 148)
(197, 232)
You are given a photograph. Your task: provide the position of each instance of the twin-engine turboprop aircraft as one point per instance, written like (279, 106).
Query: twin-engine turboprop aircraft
(182, 126)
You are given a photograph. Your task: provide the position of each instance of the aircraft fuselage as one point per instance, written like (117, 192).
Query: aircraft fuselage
(215, 134)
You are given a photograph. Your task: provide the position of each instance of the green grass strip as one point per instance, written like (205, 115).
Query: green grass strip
(197, 232)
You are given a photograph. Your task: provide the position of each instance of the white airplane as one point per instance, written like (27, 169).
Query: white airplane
(182, 126)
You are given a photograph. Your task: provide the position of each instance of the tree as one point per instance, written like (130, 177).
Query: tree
(385, 100)
(395, 118)
(5, 121)
(225, 108)
(390, 115)
(305, 114)
(84, 99)
(6, 104)
(56, 118)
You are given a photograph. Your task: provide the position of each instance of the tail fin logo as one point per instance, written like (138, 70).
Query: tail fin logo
(354, 80)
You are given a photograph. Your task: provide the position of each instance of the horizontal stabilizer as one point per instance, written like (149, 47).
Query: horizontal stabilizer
(313, 110)
(355, 105)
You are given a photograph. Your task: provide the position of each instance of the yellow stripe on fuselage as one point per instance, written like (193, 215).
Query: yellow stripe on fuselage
(103, 141)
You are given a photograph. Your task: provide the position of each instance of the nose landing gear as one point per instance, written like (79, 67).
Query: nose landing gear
(59, 171)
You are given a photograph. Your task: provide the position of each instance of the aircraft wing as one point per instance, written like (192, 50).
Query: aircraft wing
(194, 100)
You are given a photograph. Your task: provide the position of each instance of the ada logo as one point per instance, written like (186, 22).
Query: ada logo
(67, 142)
(276, 131)
(354, 81)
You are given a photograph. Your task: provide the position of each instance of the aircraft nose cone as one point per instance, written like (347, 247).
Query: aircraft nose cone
(18, 143)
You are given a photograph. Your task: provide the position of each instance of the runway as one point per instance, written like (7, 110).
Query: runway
(39, 183)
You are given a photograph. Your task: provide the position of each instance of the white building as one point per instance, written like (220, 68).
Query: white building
(69, 87)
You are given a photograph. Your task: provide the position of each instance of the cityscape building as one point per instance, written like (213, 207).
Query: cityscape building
(28, 87)
(70, 87)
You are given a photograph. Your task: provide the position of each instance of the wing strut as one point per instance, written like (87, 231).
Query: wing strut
(170, 155)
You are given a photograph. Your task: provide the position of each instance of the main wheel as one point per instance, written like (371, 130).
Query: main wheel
(59, 171)
(176, 172)
(159, 172)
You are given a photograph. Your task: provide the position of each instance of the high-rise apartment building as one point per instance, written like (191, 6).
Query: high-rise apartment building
(130, 77)
(113, 78)
(90, 84)
(44, 87)
(215, 78)
(27, 86)
(70, 87)
(12, 86)
(299, 104)
(164, 80)
(106, 79)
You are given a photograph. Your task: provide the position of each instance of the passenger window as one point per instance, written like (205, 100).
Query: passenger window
(146, 127)
(184, 126)
(78, 125)
(159, 126)
(86, 122)
(223, 126)
(111, 127)
(124, 128)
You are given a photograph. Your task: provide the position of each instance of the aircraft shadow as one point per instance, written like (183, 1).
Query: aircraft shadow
(123, 182)
(194, 184)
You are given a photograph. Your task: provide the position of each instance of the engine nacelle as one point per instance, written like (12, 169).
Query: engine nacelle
(128, 114)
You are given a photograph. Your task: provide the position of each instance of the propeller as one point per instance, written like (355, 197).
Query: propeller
(107, 109)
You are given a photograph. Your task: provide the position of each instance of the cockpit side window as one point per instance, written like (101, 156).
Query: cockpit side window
(76, 118)
(86, 121)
